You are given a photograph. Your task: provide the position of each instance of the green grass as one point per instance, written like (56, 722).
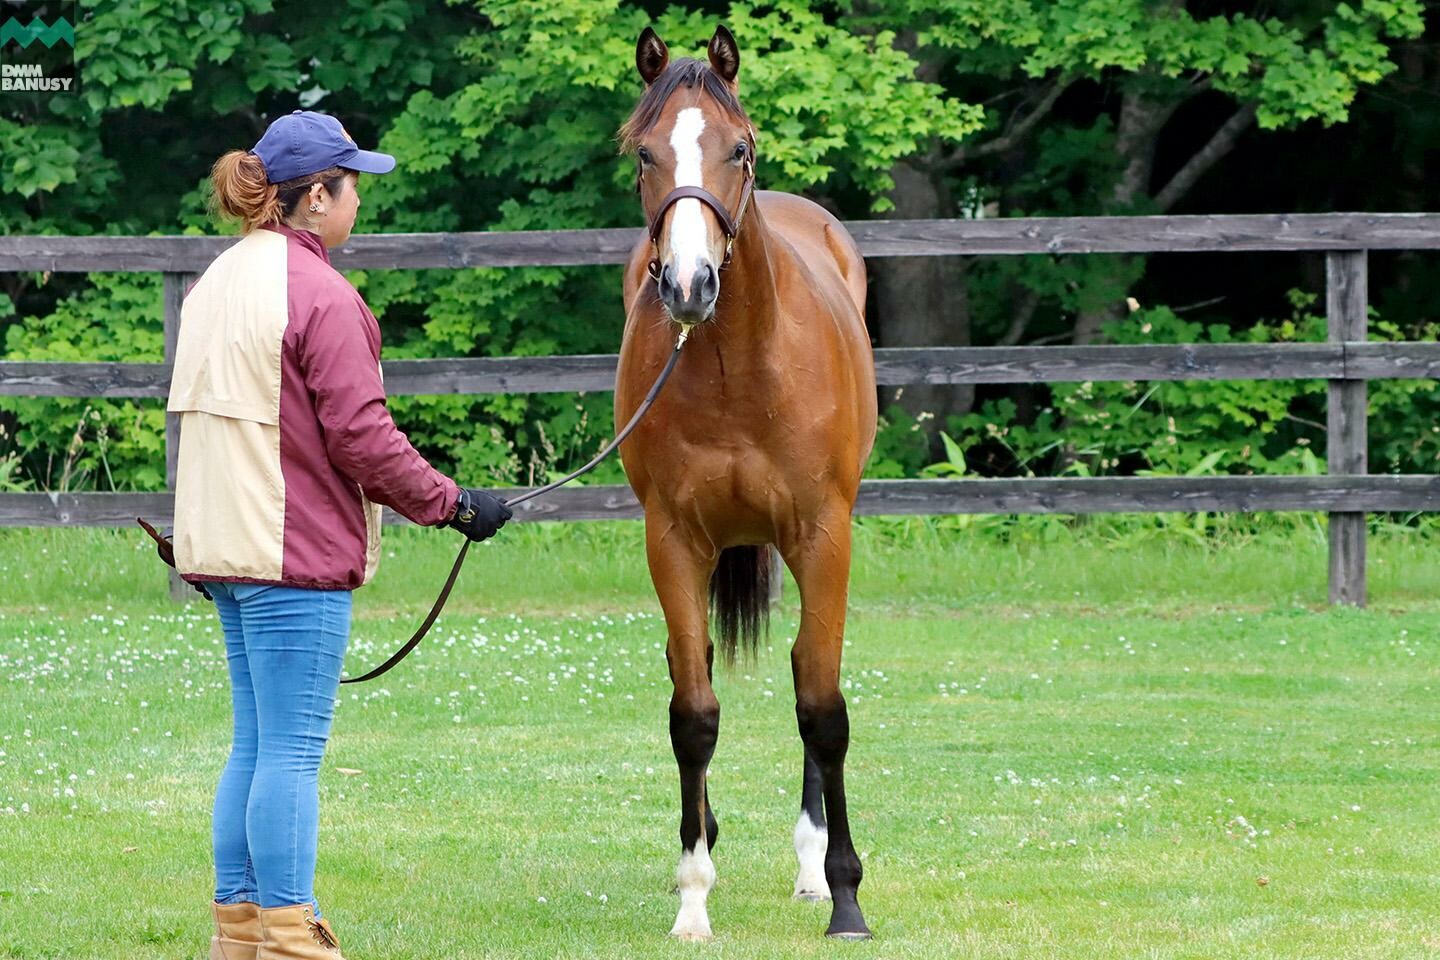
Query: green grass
(1072, 749)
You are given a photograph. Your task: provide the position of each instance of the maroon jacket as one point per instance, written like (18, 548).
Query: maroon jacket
(287, 449)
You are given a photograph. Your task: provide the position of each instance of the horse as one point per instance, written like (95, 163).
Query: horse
(760, 440)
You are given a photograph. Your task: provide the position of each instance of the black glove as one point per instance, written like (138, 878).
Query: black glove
(479, 515)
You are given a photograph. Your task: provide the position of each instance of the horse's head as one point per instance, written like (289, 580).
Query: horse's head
(695, 151)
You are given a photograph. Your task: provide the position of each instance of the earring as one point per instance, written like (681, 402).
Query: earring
(314, 208)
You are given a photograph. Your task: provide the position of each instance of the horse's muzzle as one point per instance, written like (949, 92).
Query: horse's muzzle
(698, 303)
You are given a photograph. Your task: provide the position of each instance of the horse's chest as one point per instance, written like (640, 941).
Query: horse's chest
(724, 467)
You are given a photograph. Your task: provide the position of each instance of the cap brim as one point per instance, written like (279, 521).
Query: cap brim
(369, 161)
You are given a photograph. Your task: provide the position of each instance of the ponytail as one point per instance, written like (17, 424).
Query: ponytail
(242, 192)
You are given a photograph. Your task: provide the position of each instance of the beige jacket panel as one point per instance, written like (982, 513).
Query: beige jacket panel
(226, 386)
(230, 501)
(227, 358)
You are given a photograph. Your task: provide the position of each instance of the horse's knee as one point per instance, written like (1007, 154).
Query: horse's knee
(824, 726)
(694, 728)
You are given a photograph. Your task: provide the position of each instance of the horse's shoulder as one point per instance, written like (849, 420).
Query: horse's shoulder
(820, 241)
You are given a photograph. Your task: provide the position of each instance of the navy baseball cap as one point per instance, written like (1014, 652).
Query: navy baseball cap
(305, 142)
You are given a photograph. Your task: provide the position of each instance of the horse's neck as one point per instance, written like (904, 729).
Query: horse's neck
(749, 305)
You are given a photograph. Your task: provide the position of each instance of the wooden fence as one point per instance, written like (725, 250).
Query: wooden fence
(1347, 361)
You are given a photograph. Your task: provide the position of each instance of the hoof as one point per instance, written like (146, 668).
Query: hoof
(853, 935)
(692, 937)
(846, 923)
(811, 896)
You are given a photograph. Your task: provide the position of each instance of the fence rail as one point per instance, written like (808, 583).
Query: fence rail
(1384, 493)
(895, 366)
(877, 238)
(1346, 362)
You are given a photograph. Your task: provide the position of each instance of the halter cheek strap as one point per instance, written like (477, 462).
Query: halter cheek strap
(731, 225)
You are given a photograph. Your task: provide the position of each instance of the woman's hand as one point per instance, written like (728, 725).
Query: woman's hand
(479, 515)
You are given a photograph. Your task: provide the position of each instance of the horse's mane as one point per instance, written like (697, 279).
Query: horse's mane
(687, 72)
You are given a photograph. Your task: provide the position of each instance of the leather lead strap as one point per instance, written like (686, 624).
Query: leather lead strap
(429, 622)
(609, 448)
(166, 548)
(167, 553)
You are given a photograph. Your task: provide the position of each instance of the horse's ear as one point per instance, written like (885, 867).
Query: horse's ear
(724, 55)
(651, 56)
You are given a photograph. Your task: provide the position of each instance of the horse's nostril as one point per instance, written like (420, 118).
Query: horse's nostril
(709, 285)
(669, 289)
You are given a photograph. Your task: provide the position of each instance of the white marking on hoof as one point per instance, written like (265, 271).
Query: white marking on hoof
(695, 876)
(811, 843)
(852, 937)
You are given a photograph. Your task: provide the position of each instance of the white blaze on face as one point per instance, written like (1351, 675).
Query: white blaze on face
(688, 230)
(811, 842)
(695, 876)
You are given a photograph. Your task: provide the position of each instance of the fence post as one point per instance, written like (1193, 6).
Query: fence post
(777, 576)
(1346, 298)
(175, 284)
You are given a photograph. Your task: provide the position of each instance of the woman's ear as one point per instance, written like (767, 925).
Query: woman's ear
(724, 55)
(651, 56)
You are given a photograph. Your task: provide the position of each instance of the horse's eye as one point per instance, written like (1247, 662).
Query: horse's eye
(741, 149)
(645, 157)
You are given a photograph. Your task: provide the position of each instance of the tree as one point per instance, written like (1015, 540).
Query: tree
(1080, 96)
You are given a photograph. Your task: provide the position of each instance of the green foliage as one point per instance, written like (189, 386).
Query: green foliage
(1306, 66)
(502, 116)
(901, 446)
(954, 463)
(71, 442)
(1179, 428)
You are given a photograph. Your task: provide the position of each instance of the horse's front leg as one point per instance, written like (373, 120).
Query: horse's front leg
(819, 555)
(681, 572)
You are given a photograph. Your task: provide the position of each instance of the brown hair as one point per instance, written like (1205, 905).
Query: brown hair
(683, 72)
(241, 191)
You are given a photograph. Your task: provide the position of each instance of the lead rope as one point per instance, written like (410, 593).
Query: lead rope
(167, 552)
(609, 448)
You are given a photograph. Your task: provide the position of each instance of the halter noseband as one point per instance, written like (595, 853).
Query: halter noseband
(731, 225)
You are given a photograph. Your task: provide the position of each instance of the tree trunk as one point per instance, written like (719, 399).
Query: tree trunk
(1140, 121)
(923, 301)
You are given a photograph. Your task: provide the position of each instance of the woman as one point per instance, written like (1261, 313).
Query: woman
(287, 452)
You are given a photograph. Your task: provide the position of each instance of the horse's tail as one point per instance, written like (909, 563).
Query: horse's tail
(740, 599)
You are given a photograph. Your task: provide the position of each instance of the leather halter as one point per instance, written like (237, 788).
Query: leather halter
(731, 225)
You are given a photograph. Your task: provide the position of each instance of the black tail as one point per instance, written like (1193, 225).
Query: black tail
(740, 599)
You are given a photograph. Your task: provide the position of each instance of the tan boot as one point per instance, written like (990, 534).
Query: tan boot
(237, 931)
(295, 933)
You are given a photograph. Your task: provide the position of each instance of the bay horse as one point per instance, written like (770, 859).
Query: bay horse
(760, 439)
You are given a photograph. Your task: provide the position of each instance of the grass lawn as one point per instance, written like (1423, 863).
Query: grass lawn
(1076, 749)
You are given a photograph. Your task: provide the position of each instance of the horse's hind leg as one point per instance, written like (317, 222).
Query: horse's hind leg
(819, 555)
(811, 838)
(681, 575)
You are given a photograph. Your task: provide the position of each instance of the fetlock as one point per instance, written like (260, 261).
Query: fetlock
(237, 931)
(295, 933)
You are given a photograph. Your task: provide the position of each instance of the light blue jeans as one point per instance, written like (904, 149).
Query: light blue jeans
(285, 646)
